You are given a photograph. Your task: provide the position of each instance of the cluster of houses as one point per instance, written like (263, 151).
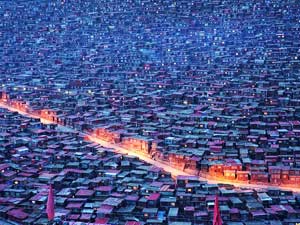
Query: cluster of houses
(209, 87)
(94, 185)
(260, 147)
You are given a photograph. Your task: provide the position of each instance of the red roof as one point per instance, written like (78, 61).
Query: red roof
(154, 197)
(74, 216)
(85, 216)
(74, 205)
(101, 220)
(18, 214)
(104, 188)
(132, 223)
(84, 193)
(189, 208)
(4, 166)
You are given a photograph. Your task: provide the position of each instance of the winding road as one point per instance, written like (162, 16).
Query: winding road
(174, 172)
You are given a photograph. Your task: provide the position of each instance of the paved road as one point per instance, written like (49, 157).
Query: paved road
(2, 105)
(174, 172)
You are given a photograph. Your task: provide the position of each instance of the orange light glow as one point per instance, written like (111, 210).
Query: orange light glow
(211, 178)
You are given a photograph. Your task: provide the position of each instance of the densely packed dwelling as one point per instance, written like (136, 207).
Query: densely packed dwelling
(208, 87)
(211, 87)
(93, 184)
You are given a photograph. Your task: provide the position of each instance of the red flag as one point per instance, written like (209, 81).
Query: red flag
(217, 215)
(50, 204)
